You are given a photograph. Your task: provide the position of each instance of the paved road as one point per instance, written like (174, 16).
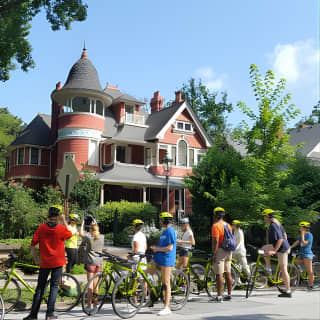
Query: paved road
(261, 306)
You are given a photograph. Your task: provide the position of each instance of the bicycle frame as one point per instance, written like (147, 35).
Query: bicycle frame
(13, 273)
(273, 280)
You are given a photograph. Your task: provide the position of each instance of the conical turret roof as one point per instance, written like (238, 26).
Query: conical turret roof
(83, 75)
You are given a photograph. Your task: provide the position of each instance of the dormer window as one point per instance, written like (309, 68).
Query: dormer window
(129, 113)
(183, 126)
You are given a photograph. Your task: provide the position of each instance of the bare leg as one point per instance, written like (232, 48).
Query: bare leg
(165, 275)
(308, 265)
(219, 279)
(285, 276)
(229, 281)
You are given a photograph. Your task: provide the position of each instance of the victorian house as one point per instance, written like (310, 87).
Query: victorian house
(110, 132)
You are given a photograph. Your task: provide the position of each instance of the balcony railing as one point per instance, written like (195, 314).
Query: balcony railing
(130, 118)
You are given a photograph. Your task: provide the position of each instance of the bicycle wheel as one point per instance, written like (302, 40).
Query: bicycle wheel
(2, 310)
(69, 293)
(179, 290)
(210, 283)
(234, 276)
(100, 285)
(127, 296)
(156, 280)
(196, 279)
(316, 273)
(251, 281)
(11, 294)
(294, 277)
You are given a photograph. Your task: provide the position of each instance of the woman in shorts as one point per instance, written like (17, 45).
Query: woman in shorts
(94, 242)
(305, 253)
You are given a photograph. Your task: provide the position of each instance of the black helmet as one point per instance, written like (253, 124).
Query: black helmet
(55, 210)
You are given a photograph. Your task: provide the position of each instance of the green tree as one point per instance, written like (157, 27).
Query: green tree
(211, 112)
(15, 25)
(10, 127)
(86, 192)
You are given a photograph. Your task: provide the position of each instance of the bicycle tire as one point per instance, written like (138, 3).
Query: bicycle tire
(196, 278)
(69, 293)
(316, 273)
(251, 281)
(2, 309)
(156, 280)
(179, 290)
(125, 291)
(210, 283)
(11, 296)
(103, 285)
(235, 277)
(294, 277)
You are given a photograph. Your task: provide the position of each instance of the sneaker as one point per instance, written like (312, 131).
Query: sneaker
(52, 317)
(227, 298)
(216, 299)
(309, 288)
(164, 312)
(285, 295)
(30, 317)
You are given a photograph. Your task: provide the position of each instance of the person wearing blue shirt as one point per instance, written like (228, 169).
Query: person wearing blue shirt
(165, 257)
(305, 253)
(278, 245)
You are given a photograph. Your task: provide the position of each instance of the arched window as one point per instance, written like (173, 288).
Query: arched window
(182, 153)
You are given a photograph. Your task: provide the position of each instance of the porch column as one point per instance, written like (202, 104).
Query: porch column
(102, 195)
(144, 194)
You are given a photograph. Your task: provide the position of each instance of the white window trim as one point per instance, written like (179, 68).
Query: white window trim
(92, 105)
(184, 126)
(198, 152)
(194, 153)
(39, 156)
(96, 164)
(24, 156)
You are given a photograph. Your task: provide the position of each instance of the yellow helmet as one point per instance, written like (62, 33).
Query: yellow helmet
(137, 221)
(55, 210)
(304, 224)
(74, 216)
(236, 222)
(165, 215)
(266, 212)
(218, 209)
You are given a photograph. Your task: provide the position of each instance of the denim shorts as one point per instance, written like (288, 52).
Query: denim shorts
(306, 256)
(183, 252)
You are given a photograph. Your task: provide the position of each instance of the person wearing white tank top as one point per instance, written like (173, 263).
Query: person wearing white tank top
(185, 244)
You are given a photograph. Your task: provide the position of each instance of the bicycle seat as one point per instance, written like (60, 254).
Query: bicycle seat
(260, 251)
(12, 256)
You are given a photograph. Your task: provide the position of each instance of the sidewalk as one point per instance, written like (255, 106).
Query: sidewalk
(263, 305)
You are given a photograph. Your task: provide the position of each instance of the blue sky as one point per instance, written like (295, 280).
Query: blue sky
(145, 46)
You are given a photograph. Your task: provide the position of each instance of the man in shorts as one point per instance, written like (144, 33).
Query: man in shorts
(278, 245)
(221, 259)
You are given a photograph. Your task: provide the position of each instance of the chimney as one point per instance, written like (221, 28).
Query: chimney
(58, 85)
(178, 96)
(156, 102)
(109, 86)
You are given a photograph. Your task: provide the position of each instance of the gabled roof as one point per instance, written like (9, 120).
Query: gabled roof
(159, 122)
(37, 133)
(118, 96)
(121, 173)
(310, 136)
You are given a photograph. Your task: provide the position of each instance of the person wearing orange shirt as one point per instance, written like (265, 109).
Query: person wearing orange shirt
(221, 259)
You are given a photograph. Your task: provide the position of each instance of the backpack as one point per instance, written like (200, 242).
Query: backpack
(229, 242)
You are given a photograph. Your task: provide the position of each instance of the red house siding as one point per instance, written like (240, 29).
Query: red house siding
(87, 121)
(45, 157)
(118, 111)
(185, 116)
(78, 146)
(107, 154)
(175, 172)
(137, 154)
(29, 170)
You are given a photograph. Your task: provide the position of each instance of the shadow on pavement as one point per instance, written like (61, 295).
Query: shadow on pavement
(257, 316)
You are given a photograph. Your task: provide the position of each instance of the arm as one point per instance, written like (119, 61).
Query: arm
(163, 249)
(82, 229)
(296, 243)
(135, 247)
(276, 247)
(215, 247)
(304, 242)
(34, 255)
(62, 219)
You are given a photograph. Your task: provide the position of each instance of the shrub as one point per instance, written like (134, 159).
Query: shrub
(25, 256)
(78, 269)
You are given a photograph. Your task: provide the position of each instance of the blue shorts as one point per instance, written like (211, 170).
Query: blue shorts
(306, 256)
(183, 252)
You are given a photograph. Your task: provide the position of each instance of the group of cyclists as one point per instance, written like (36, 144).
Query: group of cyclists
(227, 241)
